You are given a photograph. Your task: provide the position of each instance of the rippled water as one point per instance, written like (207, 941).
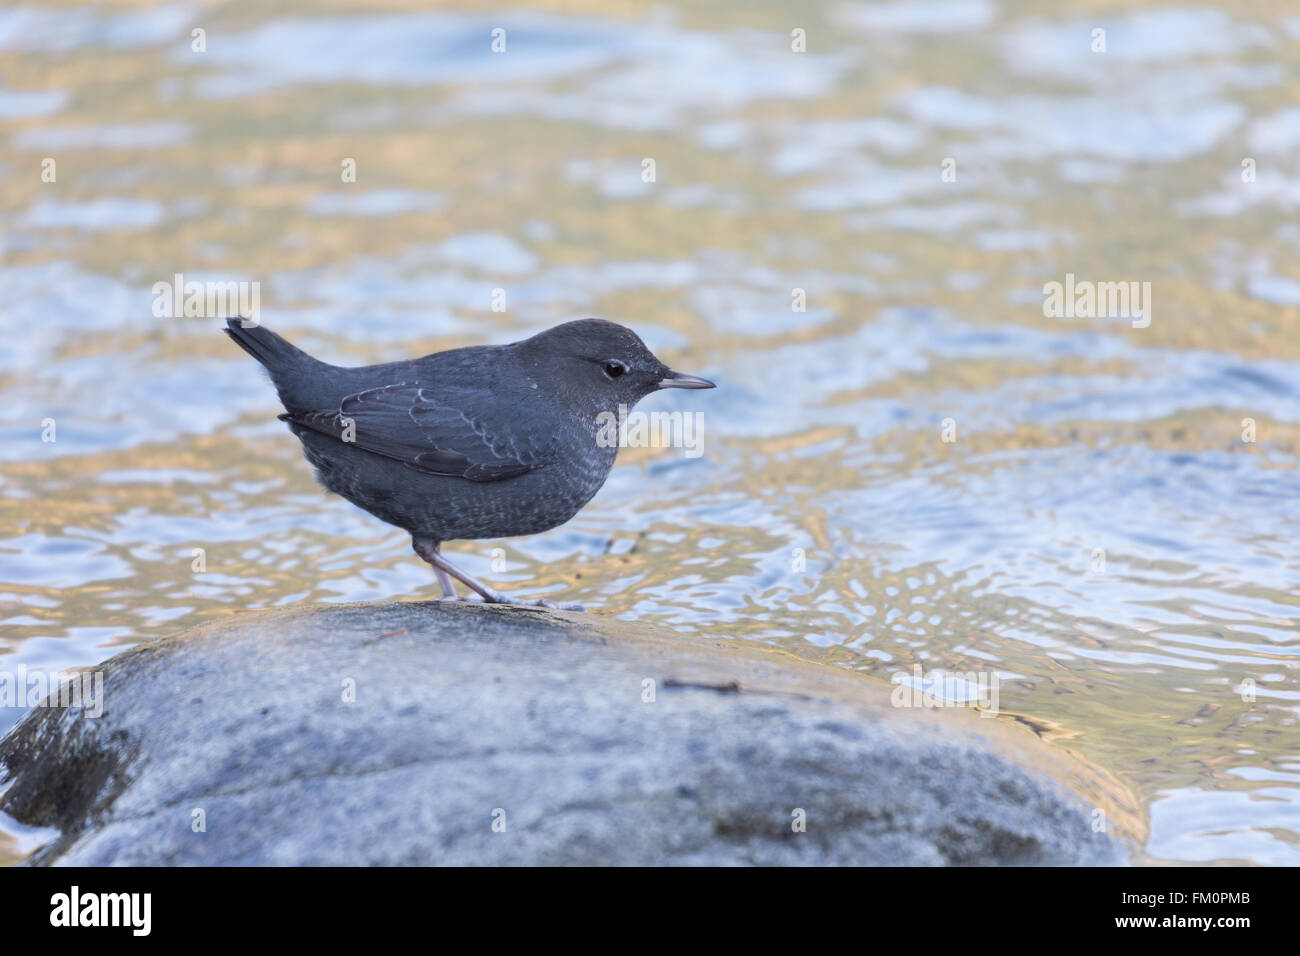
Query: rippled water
(1099, 534)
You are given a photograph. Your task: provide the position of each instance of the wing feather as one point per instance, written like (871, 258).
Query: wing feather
(407, 423)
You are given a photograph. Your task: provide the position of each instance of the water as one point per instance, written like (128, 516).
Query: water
(1098, 534)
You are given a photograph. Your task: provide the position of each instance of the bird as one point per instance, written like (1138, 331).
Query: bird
(486, 441)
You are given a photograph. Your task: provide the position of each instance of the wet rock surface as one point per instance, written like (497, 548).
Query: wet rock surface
(463, 734)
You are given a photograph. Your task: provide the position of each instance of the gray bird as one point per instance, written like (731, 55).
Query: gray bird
(481, 442)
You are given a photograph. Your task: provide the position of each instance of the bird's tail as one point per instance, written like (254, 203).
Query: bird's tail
(264, 345)
(302, 381)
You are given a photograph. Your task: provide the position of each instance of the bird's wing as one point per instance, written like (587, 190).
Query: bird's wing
(408, 424)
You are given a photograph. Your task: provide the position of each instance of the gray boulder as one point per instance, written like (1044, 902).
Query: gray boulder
(466, 734)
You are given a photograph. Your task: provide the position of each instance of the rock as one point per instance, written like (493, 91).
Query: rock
(401, 733)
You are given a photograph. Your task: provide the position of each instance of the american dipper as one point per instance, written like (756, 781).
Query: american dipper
(489, 441)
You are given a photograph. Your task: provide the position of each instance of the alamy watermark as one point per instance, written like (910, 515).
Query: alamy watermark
(35, 687)
(130, 910)
(627, 429)
(940, 688)
(1085, 299)
(211, 300)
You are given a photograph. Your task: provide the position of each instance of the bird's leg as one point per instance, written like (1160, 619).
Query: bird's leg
(429, 551)
(425, 548)
(448, 589)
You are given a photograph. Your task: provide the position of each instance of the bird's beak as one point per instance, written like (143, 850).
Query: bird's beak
(682, 380)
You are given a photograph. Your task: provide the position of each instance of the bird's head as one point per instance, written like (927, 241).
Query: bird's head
(601, 363)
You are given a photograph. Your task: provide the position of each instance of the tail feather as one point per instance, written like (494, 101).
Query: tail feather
(303, 382)
(264, 345)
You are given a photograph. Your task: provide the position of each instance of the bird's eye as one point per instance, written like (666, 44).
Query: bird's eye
(614, 368)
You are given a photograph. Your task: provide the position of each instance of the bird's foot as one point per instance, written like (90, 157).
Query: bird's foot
(499, 598)
(554, 606)
(428, 549)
